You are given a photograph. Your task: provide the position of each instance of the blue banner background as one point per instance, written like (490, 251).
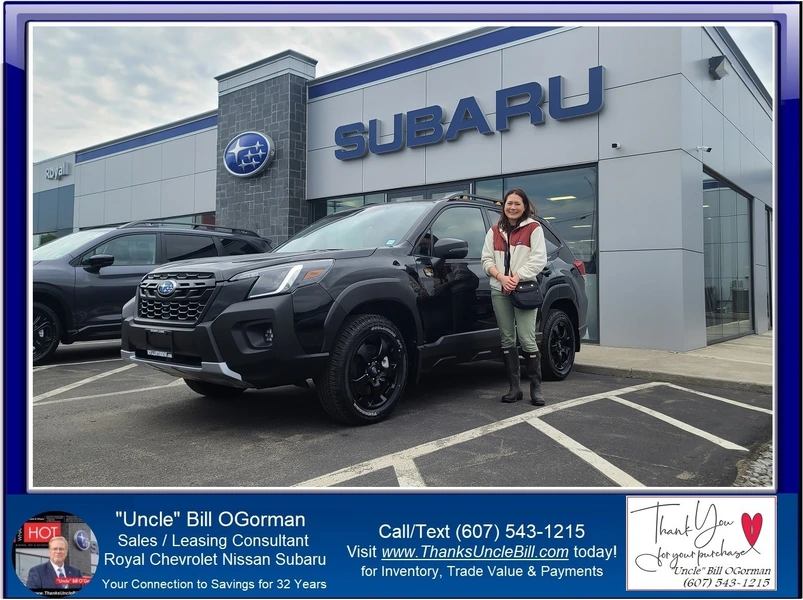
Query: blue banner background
(335, 520)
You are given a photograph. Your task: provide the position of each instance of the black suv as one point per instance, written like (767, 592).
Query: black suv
(360, 301)
(82, 280)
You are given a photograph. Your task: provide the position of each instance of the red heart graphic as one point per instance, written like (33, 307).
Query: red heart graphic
(752, 527)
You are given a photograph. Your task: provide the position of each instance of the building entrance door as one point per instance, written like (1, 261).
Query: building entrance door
(769, 267)
(728, 262)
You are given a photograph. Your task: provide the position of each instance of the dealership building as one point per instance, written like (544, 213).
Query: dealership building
(649, 149)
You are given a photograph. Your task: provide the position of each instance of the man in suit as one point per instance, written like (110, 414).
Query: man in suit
(43, 577)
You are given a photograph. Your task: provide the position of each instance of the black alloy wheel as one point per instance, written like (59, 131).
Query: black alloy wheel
(367, 371)
(46, 332)
(558, 355)
(374, 370)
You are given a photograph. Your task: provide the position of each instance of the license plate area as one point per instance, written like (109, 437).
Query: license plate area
(159, 343)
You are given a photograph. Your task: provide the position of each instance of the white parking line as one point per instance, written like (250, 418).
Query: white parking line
(608, 469)
(681, 425)
(390, 460)
(88, 362)
(408, 474)
(108, 394)
(71, 386)
(734, 402)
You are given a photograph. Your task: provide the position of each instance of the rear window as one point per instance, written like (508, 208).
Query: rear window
(235, 247)
(185, 247)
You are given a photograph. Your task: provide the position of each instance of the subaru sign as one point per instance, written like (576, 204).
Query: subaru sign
(81, 540)
(248, 154)
(424, 126)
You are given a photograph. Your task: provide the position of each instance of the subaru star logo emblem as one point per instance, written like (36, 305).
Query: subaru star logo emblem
(248, 154)
(166, 287)
(81, 539)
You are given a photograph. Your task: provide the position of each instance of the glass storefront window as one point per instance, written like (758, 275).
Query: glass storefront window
(491, 188)
(567, 199)
(727, 260)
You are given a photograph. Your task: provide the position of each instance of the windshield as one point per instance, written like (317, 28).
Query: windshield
(67, 244)
(381, 225)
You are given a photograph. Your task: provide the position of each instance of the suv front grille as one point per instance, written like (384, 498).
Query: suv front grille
(184, 304)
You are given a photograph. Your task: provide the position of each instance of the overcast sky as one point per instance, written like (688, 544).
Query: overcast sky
(95, 84)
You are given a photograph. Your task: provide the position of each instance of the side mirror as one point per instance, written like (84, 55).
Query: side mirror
(95, 263)
(450, 248)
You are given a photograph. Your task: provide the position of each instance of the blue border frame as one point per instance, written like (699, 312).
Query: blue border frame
(788, 242)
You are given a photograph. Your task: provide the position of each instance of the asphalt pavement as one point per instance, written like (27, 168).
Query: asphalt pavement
(129, 426)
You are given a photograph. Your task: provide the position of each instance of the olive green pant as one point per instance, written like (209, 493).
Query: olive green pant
(512, 320)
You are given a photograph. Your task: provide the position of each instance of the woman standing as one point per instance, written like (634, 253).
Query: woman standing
(520, 236)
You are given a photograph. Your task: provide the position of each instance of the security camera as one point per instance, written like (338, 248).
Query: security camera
(704, 148)
(616, 145)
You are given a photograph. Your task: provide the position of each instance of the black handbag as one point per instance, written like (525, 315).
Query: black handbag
(527, 294)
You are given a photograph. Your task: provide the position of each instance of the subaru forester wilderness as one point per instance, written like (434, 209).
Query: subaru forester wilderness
(360, 302)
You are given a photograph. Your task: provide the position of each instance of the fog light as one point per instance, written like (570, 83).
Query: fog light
(268, 335)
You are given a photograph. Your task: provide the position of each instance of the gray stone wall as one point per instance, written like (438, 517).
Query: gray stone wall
(274, 202)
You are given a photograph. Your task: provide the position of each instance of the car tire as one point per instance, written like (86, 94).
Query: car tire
(46, 332)
(367, 371)
(557, 356)
(213, 390)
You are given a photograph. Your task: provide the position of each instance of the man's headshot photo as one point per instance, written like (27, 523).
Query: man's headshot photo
(45, 576)
(55, 554)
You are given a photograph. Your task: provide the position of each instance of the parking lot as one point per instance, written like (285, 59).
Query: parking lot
(130, 426)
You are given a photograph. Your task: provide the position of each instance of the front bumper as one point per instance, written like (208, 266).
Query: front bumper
(211, 372)
(230, 348)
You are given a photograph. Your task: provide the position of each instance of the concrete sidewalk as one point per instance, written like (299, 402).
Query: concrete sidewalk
(744, 364)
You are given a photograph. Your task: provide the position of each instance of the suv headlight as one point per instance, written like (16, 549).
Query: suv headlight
(283, 278)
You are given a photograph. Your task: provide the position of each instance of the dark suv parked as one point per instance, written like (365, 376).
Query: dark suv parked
(359, 302)
(81, 281)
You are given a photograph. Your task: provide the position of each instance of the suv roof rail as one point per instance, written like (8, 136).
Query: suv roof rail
(191, 226)
(472, 197)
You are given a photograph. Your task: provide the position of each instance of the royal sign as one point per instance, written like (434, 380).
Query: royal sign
(424, 126)
(57, 172)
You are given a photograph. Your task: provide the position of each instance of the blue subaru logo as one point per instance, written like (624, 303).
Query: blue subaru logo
(166, 287)
(248, 154)
(81, 539)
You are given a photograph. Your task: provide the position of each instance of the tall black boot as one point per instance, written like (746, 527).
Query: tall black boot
(511, 356)
(533, 364)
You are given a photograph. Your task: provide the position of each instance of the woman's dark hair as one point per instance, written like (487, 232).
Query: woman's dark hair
(529, 210)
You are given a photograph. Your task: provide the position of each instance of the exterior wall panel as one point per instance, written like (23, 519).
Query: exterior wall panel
(178, 196)
(405, 168)
(480, 77)
(117, 205)
(643, 117)
(649, 313)
(147, 164)
(658, 54)
(146, 200)
(553, 144)
(569, 54)
(384, 100)
(713, 137)
(326, 115)
(119, 171)
(178, 157)
(639, 206)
